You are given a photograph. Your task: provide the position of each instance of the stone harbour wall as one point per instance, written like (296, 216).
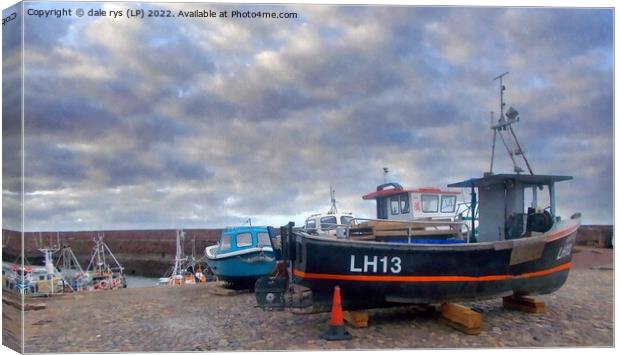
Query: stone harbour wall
(140, 252)
(152, 252)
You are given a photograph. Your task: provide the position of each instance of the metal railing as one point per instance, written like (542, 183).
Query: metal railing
(325, 228)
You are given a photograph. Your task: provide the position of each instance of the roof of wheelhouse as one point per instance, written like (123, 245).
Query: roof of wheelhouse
(396, 189)
(503, 178)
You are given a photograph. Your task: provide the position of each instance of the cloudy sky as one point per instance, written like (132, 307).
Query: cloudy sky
(167, 123)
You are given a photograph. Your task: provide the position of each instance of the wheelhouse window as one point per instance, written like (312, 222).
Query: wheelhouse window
(263, 239)
(382, 212)
(394, 205)
(244, 240)
(430, 203)
(310, 224)
(404, 203)
(225, 243)
(448, 203)
(345, 219)
(328, 222)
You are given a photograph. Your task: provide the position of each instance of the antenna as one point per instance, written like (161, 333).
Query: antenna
(504, 123)
(332, 194)
(385, 173)
(502, 88)
(493, 146)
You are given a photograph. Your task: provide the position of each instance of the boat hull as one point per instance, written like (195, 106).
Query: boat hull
(243, 268)
(372, 274)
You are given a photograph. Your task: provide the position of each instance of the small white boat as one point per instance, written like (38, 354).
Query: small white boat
(330, 224)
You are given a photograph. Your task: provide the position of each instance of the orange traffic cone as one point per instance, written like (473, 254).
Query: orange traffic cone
(336, 330)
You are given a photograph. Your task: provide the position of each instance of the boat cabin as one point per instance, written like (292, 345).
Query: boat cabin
(239, 239)
(398, 204)
(325, 222)
(503, 212)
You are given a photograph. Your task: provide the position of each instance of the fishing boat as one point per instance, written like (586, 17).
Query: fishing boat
(418, 215)
(242, 255)
(330, 223)
(68, 265)
(34, 280)
(186, 269)
(104, 270)
(31, 280)
(523, 246)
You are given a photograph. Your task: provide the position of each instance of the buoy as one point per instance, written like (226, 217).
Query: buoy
(336, 330)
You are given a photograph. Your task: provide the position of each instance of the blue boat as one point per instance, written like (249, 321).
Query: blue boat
(242, 255)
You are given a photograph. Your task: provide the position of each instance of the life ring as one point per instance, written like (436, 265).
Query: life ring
(201, 277)
(103, 284)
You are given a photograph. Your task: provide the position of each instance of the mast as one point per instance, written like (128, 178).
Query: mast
(493, 146)
(179, 259)
(49, 265)
(504, 123)
(98, 262)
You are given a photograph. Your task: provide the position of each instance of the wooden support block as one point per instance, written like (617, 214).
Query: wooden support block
(358, 319)
(524, 304)
(460, 327)
(461, 318)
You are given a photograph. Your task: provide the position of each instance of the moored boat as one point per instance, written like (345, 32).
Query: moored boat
(242, 255)
(104, 270)
(31, 280)
(185, 269)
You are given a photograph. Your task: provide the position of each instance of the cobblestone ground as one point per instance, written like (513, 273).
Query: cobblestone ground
(190, 318)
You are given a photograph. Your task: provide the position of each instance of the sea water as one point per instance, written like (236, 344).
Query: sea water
(140, 281)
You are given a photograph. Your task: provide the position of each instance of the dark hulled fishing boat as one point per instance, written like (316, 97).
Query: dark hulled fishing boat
(533, 260)
(521, 247)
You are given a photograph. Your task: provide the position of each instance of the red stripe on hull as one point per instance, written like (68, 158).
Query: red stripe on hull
(396, 278)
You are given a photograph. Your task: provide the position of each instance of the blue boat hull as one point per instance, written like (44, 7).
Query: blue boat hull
(245, 268)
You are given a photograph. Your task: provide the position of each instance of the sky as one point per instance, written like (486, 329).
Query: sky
(206, 122)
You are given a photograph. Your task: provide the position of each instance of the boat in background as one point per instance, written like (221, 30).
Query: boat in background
(31, 280)
(68, 265)
(242, 255)
(421, 215)
(63, 274)
(331, 223)
(104, 275)
(186, 269)
(34, 280)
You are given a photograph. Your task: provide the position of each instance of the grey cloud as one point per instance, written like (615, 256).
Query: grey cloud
(206, 124)
(50, 160)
